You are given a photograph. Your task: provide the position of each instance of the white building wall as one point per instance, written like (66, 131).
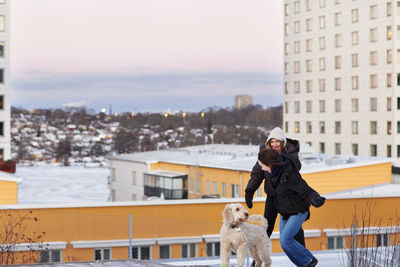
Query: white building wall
(5, 140)
(364, 93)
(121, 182)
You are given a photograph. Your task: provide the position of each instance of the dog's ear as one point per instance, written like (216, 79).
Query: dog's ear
(227, 214)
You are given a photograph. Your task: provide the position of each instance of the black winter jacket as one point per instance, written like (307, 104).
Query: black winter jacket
(291, 150)
(292, 193)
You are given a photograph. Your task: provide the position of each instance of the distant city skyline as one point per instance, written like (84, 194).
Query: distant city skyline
(145, 55)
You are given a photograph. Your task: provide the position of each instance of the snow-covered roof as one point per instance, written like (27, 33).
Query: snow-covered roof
(373, 191)
(5, 176)
(243, 157)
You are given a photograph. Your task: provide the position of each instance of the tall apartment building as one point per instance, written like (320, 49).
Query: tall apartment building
(342, 76)
(242, 101)
(5, 147)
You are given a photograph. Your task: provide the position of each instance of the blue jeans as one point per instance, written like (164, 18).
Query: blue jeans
(296, 252)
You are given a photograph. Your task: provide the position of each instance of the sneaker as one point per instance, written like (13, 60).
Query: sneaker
(313, 262)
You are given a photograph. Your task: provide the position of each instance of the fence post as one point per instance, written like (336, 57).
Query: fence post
(353, 236)
(130, 237)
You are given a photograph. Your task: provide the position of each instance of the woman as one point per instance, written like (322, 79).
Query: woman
(293, 198)
(290, 148)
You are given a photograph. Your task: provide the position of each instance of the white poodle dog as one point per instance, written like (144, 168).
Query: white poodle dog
(237, 235)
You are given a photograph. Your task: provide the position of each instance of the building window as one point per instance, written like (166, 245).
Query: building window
(207, 188)
(373, 104)
(296, 87)
(50, 255)
(322, 106)
(213, 249)
(354, 104)
(389, 80)
(309, 24)
(309, 106)
(141, 253)
(215, 188)
(373, 149)
(398, 78)
(354, 15)
(354, 149)
(321, 127)
(286, 87)
(354, 38)
(287, 9)
(322, 148)
(297, 47)
(113, 175)
(296, 66)
(308, 127)
(389, 9)
(297, 7)
(189, 250)
(382, 240)
(321, 3)
(101, 254)
(373, 125)
(223, 190)
(398, 108)
(164, 251)
(389, 56)
(296, 26)
(389, 33)
(338, 19)
(1, 49)
(354, 127)
(286, 48)
(337, 2)
(322, 64)
(338, 62)
(321, 43)
(286, 67)
(337, 148)
(198, 186)
(321, 83)
(338, 105)
(1, 75)
(389, 127)
(309, 45)
(398, 151)
(338, 40)
(322, 23)
(308, 5)
(354, 60)
(296, 107)
(373, 12)
(373, 58)
(373, 35)
(286, 29)
(354, 82)
(336, 242)
(338, 127)
(235, 191)
(389, 151)
(338, 84)
(2, 23)
(309, 86)
(191, 185)
(297, 127)
(398, 127)
(389, 104)
(309, 65)
(373, 80)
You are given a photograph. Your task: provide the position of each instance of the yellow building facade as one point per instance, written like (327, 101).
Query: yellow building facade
(166, 229)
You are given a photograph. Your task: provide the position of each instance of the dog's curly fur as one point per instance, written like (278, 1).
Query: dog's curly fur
(237, 235)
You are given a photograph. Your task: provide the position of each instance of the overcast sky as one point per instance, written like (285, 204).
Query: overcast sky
(145, 55)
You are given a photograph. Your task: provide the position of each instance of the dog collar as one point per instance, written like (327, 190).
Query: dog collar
(231, 226)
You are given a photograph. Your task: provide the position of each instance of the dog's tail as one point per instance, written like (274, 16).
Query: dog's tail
(260, 219)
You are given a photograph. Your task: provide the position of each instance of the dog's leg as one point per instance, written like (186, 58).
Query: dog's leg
(225, 254)
(264, 252)
(241, 255)
(254, 256)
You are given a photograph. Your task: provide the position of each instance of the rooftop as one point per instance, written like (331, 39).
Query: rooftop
(243, 157)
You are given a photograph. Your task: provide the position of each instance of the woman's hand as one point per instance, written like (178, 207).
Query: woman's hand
(264, 167)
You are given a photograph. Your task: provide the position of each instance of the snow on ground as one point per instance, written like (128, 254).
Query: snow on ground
(57, 184)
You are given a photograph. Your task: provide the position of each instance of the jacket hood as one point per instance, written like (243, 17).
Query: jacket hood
(277, 134)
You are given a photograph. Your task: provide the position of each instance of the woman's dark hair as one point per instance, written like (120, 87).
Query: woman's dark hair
(269, 157)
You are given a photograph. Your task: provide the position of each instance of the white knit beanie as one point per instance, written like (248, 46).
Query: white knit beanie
(277, 134)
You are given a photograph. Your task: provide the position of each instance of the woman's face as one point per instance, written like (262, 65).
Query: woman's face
(276, 145)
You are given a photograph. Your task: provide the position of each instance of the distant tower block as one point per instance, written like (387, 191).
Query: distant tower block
(242, 101)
